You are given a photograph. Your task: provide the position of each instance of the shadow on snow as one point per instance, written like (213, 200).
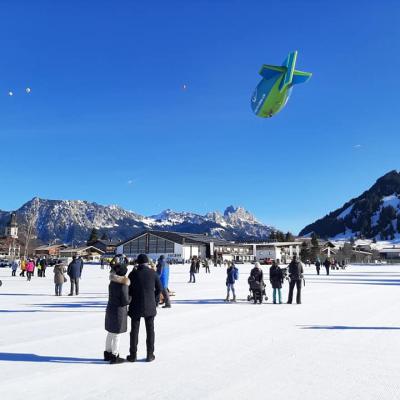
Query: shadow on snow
(345, 327)
(26, 357)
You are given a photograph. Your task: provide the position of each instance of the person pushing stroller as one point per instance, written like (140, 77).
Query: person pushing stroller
(256, 284)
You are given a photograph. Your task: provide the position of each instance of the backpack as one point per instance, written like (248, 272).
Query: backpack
(236, 274)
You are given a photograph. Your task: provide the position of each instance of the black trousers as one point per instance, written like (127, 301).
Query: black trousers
(292, 284)
(192, 276)
(13, 272)
(134, 335)
(327, 270)
(318, 271)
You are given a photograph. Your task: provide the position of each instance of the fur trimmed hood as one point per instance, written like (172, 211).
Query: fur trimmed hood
(123, 280)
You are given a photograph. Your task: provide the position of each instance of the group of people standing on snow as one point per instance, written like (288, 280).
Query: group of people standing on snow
(74, 272)
(138, 296)
(29, 265)
(276, 278)
(196, 263)
(328, 264)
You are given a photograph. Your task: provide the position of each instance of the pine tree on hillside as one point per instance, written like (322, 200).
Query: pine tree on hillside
(272, 236)
(398, 223)
(315, 248)
(94, 236)
(104, 236)
(289, 237)
(280, 236)
(304, 252)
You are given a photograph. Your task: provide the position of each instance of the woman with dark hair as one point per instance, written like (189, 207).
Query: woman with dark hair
(117, 312)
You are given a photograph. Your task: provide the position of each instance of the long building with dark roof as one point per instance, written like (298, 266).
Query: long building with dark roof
(183, 246)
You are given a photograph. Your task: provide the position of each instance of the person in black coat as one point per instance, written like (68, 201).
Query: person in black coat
(318, 266)
(116, 321)
(193, 270)
(198, 263)
(327, 265)
(296, 277)
(276, 279)
(74, 272)
(257, 273)
(144, 288)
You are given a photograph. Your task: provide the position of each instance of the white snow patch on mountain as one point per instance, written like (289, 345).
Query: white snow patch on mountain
(345, 212)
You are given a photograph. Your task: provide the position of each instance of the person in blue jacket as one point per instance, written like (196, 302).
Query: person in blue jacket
(163, 273)
(232, 275)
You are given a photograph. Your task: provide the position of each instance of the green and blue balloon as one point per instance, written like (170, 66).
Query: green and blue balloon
(273, 91)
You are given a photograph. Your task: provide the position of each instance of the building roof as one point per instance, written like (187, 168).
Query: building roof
(391, 250)
(80, 249)
(50, 246)
(182, 238)
(108, 242)
(273, 244)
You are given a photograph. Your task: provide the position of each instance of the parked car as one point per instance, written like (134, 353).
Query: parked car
(4, 263)
(266, 261)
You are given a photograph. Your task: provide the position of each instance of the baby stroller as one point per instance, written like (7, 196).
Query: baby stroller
(257, 290)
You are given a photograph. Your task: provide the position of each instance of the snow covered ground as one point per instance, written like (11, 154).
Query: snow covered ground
(341, 343)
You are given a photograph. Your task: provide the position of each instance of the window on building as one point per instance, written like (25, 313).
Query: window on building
(169, 247)
(142, 244)
(152, 244)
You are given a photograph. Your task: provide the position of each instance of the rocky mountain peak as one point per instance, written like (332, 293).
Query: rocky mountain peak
(67, 220)
(235, 214)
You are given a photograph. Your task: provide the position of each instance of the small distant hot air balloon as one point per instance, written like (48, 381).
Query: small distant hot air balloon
(28, 90)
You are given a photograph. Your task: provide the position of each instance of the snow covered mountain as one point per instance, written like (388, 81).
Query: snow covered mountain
(67, 221)
(374, 214)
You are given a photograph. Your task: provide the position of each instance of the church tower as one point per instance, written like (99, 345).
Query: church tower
(12, 227)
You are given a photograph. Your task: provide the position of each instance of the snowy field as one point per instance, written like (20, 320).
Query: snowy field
(341, 343)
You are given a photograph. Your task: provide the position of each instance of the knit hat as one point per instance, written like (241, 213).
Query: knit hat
(142, 259)
(121, 270)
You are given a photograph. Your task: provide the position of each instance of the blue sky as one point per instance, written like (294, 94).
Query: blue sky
(107, 119)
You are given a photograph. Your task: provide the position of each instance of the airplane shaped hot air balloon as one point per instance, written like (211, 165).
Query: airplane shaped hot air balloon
(273, 91)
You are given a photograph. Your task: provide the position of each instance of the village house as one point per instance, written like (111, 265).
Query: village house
(10, 246)
(49, 251)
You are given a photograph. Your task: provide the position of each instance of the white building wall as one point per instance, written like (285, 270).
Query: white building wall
(269, 253)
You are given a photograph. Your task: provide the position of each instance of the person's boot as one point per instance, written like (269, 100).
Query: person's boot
(131, 358)
(150, 357)
(227, 298)
(116, 359)
(166, 306)
(107, 356)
